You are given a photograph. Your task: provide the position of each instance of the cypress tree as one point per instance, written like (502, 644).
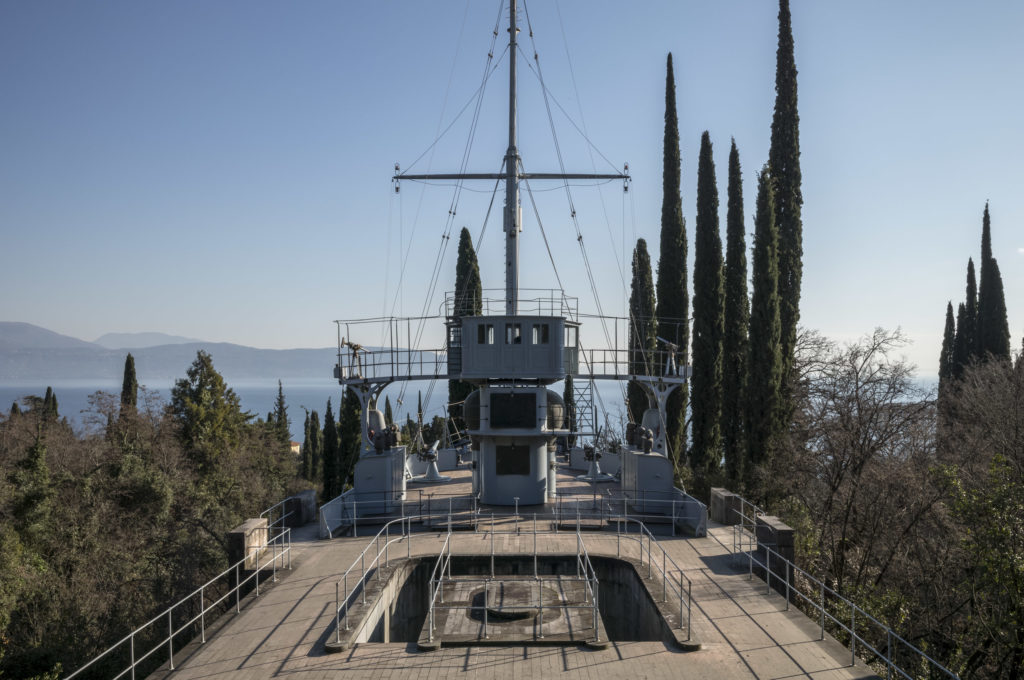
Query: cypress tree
(15, 409)
(673, 301)
(737, 319)
(50, 404)
(961, 343)
(946, 355)
(281, 423)
(388, 415)
(570, 410)
(129, 386)
(307, 450)
(992, 322)
(971, 311)
(468, 302)
(946, 367)
(708, 322)
(349, 435)
(784, 159)
(330, 454)
(993, 330)
(764, 388)
(316, 437)
(642, 329)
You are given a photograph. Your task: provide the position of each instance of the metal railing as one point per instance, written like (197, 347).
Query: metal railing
(676, 585)
(585, 574)
(615, 362)
(279, 508)
(392, 363)
(279, 547)
(675, 507)
(845, 617)
(531, 302)
(344, 511)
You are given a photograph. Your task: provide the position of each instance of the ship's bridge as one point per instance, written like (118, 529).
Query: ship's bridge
(521, 347)
(542, 344)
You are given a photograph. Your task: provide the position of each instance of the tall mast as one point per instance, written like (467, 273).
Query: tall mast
(512, 217)
(511, 175)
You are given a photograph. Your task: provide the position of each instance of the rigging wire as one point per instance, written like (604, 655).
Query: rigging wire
(631, 325)
(456, 194)
(619, 256)
(572, 208)
(488, 71)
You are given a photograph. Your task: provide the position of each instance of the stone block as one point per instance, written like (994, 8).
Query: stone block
(247, 541)
(775, 534)
(725, 507)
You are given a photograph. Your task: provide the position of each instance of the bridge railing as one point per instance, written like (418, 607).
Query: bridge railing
(835, 613)
(193, 611)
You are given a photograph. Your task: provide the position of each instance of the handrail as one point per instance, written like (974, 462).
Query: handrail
(819, 605)
(678, 506)
(283, 538)
(681, 586)
(284, 515)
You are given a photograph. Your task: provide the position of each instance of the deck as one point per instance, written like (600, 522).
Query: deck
(744, 631)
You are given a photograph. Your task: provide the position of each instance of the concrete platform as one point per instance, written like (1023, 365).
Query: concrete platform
(513, 617)
(745, 632)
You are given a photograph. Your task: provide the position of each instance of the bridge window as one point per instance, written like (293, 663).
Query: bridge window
(540, 333)
(570, 336)
(513, 334)
(485, 334)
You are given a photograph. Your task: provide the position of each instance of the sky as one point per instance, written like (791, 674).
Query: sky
(223, 170)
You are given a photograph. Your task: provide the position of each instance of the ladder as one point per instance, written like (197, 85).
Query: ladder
(586, 411)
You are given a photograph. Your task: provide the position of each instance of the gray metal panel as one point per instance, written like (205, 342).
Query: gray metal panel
(512, 347)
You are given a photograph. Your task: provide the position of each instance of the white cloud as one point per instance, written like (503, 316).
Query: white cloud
(1020, 250)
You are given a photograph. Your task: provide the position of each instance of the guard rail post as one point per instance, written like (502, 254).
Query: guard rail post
(540, 609)
(202, 614)
(170, 638)
(822, 611)
(853, 634)
(337, 612)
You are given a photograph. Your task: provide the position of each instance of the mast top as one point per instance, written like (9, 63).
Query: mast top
(512, 223)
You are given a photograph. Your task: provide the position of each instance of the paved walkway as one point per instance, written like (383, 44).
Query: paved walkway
(745, 633)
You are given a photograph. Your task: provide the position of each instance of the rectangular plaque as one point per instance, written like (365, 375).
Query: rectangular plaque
(514, 410)
(512, 460)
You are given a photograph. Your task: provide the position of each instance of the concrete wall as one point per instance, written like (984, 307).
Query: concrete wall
(725, 507)
(576, 459)
(531, 488)
(246, 541)
(300, 508)
(775, 534)
(447, 459)
(379, 480)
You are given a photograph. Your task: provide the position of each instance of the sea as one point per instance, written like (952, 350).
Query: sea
(258, 396)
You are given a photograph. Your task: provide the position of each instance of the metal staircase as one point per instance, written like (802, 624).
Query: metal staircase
(586, 412)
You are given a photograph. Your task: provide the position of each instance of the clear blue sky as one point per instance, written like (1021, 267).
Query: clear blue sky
(221, 170)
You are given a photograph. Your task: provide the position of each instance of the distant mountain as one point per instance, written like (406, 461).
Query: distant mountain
(31, 354)
(139, 340)
(17, 335)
